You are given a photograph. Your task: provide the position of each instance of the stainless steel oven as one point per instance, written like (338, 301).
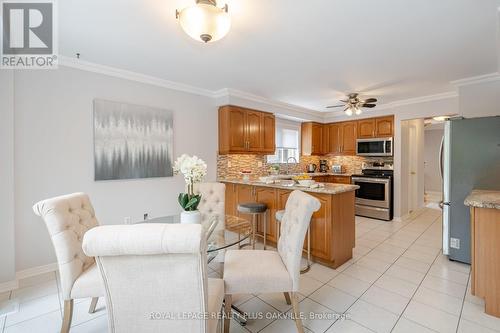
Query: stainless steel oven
(374, 196)
(374, 147)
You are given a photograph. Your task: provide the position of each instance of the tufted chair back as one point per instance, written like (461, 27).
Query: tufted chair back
(151, 270)
(298, 212)
(212, 200)
(67, 218)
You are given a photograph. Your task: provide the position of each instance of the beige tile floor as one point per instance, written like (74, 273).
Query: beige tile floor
(398, 281)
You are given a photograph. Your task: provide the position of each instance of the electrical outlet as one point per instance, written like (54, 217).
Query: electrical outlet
(127, 220)
(229, 164)
(455, 243)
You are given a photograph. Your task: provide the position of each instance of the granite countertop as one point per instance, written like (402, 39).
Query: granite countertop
(483, 199)
(329, 188)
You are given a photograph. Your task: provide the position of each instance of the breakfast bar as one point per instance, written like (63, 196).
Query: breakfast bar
(332, 227)
(485, 247)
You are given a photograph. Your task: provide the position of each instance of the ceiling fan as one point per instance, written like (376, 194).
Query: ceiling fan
(353, 104)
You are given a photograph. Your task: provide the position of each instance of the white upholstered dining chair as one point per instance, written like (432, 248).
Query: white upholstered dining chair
(260, 271)
(67, 219)
(212, 200)
(213, 197)
(155, 276)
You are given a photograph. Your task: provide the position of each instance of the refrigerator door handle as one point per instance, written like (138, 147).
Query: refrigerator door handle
(441, 157)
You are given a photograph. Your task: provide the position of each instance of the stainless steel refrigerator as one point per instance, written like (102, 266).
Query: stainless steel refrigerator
(470, 159)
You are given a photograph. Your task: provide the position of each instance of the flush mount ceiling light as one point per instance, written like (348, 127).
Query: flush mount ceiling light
(204, 21)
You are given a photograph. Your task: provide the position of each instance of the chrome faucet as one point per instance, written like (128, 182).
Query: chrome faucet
(288, 164)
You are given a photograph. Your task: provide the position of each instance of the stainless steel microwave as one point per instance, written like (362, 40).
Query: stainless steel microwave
(374, 147)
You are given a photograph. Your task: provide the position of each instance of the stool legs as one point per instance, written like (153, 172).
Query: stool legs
(254, 226)
(265, 228)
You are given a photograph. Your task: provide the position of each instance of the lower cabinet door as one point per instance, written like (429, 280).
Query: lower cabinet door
(267, 196)
(320, 224)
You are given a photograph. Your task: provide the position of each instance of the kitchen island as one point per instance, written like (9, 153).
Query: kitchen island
(332, 227)
(485, 247)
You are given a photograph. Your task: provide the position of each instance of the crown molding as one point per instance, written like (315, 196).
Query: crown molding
(476, 79)
(282, 109)
(133, 76)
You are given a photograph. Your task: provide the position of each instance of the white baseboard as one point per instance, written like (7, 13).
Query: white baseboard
(9, 285)
(26, 273)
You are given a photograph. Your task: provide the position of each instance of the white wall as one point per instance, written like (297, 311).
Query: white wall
(7, 254)
(432, 175)
(54, 150)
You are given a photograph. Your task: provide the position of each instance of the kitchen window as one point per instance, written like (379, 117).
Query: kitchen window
(287, 141)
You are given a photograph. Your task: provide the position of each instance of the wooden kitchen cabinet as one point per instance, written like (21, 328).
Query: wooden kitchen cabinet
(332, 226)
(312, 138)
(384, 127)
(332, 179)
(268, 196)
(269, 130)
(366, 128)
(376, 127)
(348, 137)
(334, 139)
(243, 130)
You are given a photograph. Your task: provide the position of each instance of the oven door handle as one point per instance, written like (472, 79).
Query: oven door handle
(371, 180)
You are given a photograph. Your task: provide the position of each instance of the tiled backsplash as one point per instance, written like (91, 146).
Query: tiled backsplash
(229, 166)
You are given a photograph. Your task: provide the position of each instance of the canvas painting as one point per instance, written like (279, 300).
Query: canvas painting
(132, 141)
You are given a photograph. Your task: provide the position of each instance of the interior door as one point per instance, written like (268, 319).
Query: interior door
(237, 130)
(254, 131)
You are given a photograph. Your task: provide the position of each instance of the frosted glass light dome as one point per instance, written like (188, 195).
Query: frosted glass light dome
(204, 21)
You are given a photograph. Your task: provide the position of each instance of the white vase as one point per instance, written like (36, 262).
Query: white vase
(193, 216)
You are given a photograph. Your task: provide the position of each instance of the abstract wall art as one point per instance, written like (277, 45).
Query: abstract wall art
(132, 141)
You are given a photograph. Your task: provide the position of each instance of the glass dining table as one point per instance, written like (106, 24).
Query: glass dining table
(222, 232)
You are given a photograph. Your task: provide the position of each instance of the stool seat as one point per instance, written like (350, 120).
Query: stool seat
(252, 207)
(279, 215)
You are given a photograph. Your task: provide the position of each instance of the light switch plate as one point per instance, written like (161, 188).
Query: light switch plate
(455, 243)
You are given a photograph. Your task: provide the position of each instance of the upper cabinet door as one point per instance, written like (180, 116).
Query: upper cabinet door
(385, 126)
(243, 130)
(232, 129)
(334, 139)
(254, 131)
(349, 136)
(269, 133)
(366, 128)
(317, 139)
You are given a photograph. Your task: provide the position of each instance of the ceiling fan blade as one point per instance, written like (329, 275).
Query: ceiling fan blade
(334, 106)
(368, 105)
(370, 100)
(344, 100)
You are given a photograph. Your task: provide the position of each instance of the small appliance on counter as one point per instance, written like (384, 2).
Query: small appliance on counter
(337, 168)
(374, 197)
(311, 167)
(323, 166)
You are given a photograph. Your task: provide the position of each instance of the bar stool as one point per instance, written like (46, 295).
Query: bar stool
(279, 217)
(255, 209)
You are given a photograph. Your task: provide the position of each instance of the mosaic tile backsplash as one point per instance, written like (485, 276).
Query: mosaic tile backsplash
(230, 166)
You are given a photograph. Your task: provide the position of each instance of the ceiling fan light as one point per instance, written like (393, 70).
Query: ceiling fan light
(348, 112)
(204, 21)
(357, 111)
